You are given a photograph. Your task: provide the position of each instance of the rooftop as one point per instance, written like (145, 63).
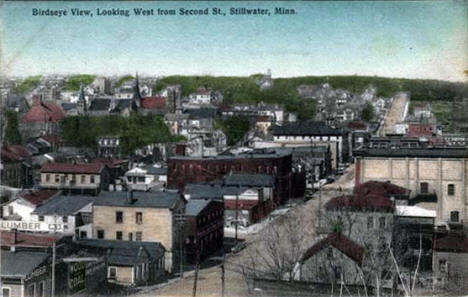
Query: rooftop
(247, 179)
(95, 168)
(455, 243)
(166, 199)
(63, 205)
(386, 189)
(37, 197)
(341, 243)
(369, 202)
(436, 152)
(194, 207)
(21, 263)
(42, 111)
(124, 252)
(28, 239)
(414, 211)
(310, 128)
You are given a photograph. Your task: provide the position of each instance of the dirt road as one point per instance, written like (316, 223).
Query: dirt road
(397, 113)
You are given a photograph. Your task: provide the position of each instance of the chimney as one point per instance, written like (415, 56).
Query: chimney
(130, 198)
(15, 236)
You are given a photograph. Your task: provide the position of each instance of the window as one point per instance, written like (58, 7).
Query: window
(370, 223)
(57, 178)
(83, 234)
(10, 210)
(41, 218)
(119, 217)
(130, 236)
(424, 188)
(65, 219)
(139, 217)
(47, 177)
(454, 216)
(118, 235)
(31, 290)
(450, 189)
(6, 292)
(40, 290)
(138, 236)
(92, 179)
(141, 179)
(443, 265)
(100, 234)
(382, 223)
(83, 179)
(112, 272)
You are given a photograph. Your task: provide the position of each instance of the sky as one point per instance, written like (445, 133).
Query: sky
(411, 39)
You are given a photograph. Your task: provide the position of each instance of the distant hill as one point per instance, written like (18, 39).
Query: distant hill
(284, 90)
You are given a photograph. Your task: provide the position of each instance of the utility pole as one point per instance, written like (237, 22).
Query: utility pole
(53, 269)
(197, 267)
(237, 215)
(222, 273)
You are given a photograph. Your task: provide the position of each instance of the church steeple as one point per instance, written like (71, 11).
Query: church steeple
(82, 107)
(136, 104)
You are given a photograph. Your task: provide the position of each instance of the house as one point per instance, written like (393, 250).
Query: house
(450, 262)
(127, 262)
(422, 110)
(436, 176)
(143, 178)
(116, 167)
(204, 228)
(108, 146)
(16, 166)
(25, 273)
(80, 178)
(141, 216)
(333, 260)
(64, 214)
(202, 96)
(42, 117)
(316, 133)
(246, 203)
(153, 105)
(20, 209)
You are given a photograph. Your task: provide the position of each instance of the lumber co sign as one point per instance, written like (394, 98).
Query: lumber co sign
(30, 226)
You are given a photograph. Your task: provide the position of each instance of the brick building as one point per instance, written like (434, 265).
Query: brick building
(184, 170)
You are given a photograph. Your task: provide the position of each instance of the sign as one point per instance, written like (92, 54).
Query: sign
(30, 226)
(76, 277)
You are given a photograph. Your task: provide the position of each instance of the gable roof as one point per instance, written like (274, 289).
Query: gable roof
(455, 243)
(42, 111)
(125, 253)
(63, 205)
(386, 189)
(166, 199)
(370, 202)
(21, 263)
(194, 207)
(339, 241)
(155, 102)
(247, 179)
(100, 104)
(38, 197)
(95, 168)
(29, 239)
(14, 152)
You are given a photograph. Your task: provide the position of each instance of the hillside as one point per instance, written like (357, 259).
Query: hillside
(284, 91)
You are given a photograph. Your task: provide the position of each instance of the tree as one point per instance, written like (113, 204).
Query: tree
(367, 114)
(12, 134)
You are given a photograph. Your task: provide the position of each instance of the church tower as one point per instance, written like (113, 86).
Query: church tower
(136, 100)
(81, 104)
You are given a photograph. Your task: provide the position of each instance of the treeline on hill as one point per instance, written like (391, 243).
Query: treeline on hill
(74, 82)
(284, 90)
(27, 84)
(134, 131)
